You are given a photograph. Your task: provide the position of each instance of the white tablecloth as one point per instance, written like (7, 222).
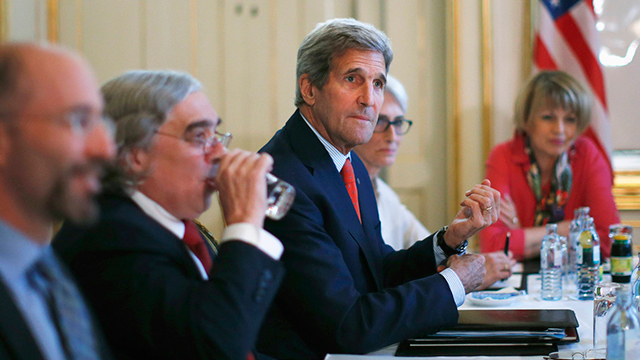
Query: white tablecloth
(583, 310)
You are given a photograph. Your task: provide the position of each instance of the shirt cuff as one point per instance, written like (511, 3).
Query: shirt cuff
(438, 253)
(455, 285)
(255, 236)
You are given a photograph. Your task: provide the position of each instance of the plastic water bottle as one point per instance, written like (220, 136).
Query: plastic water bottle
(588, 260)
(635, 284)
(623, 329)
(551, 263)
(575, 229)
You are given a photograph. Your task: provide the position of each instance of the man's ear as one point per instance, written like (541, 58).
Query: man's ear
(137, 161)
(307, 90)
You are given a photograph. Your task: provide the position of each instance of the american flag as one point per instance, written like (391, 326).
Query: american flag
(566, 39)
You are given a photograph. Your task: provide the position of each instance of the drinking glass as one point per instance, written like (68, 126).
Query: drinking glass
(280, 195)
(604, 298)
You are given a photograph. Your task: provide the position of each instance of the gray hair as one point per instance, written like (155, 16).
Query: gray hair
(331, 39)
(139, 103)
(554, 89)
(395, 88)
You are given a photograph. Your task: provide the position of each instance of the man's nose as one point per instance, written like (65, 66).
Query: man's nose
(215, 153)
(367, 96)
(100, 144)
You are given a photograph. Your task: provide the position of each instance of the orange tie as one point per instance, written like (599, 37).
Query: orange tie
(195, 243)
(349, 179)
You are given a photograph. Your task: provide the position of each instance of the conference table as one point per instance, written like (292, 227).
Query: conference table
(583, 310)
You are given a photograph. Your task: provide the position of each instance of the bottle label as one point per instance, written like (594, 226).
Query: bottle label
(621, 265)
(557, 259)
(596, 254)
(580, 255)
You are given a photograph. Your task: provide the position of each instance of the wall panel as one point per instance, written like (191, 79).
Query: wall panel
(111, 36)
(168, 38)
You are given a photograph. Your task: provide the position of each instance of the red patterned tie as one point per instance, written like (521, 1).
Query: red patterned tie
(195, 243)
(349, 179)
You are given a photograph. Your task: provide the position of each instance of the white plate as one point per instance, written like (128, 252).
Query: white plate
(502, 297)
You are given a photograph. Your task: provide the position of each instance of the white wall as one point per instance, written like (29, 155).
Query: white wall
(461, 77)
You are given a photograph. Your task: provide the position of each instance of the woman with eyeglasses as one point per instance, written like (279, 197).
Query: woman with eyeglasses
(400, 228)
(548, 170)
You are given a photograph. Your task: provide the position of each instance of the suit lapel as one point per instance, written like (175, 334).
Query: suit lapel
(161, 239)
(307, 147)
(14, 331)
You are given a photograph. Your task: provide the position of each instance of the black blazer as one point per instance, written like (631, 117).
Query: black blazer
(17, 341)
(149, 296)
(345, 291)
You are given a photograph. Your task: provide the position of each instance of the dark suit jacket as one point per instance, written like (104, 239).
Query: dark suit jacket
(16, 339)
(345, 290)
(149, 296)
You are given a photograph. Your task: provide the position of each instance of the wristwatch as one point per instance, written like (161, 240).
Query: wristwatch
(460, 250)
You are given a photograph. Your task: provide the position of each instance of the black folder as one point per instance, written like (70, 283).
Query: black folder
(498, 333)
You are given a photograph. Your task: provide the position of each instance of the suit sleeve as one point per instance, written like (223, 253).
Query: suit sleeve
(492, 238)
(144, 296)
(347, 320)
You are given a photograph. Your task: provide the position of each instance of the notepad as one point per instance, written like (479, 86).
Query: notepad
(498, 333)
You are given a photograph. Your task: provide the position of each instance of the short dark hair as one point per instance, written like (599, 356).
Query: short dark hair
(12, 94)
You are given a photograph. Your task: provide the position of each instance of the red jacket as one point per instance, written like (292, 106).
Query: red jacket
(507, 167)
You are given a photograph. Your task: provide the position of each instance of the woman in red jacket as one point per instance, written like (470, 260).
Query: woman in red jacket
(548, 170)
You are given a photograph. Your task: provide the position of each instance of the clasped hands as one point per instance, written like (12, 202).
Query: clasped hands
(480, 208)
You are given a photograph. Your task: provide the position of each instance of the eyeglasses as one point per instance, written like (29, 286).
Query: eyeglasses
(400, 125)
(81, 119)
(202, 138)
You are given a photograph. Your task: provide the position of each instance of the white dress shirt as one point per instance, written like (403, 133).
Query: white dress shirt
(245, 232)
(455, 285)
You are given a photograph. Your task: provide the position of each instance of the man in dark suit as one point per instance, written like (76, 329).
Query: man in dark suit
(160, 290)
(53, 143)
(345, 290)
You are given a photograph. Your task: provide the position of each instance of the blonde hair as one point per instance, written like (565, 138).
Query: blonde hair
(553, 89)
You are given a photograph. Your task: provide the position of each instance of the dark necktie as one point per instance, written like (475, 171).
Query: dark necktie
(67, 308)
(195, 243)
(349, 179)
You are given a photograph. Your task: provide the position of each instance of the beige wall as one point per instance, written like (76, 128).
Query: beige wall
(244, 53)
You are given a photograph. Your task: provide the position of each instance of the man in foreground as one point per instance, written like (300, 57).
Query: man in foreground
(160, 289)
(345, 290)
(53, 143)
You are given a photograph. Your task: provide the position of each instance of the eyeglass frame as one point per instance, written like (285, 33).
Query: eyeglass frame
(81, 120)
(217, 138)
(397, 120)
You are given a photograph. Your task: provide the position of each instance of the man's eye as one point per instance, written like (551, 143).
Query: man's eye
(350, 79)
(379, 84)
(196, 136)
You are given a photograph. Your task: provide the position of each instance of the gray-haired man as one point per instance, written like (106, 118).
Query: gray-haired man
(161, 290)
(345, 290)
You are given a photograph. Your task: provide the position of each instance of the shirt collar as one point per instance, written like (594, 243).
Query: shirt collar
(336, 155)
(17, 252)
(159, 214)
